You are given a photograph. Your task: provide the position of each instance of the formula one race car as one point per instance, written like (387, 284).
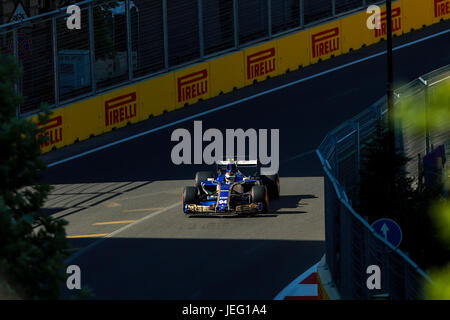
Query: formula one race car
(230, 191)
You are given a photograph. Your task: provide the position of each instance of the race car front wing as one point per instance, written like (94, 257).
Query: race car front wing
(196, 209)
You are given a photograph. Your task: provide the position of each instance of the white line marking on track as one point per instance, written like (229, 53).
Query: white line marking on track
(112, 234)
(243, 100)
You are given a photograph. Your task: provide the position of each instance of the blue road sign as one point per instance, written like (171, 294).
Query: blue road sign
(389, 230)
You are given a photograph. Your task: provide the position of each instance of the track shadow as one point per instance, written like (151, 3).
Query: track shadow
(290, 202)
(78, 197)
(192, 268)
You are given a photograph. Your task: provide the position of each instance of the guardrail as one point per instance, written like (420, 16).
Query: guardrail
(126, 41)
(351, 243)
(418, 94)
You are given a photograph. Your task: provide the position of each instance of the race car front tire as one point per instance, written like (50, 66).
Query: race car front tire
(258, 194)
(189, 196)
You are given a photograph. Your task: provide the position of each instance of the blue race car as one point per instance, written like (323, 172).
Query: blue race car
(230, 191)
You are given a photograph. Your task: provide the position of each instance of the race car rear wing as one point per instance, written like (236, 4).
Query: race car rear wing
(244, 166)
(238, 162)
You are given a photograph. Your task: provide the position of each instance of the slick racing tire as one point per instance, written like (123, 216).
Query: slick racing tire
(259, 194)
(189, 196)
(272, 182)
(202, 176)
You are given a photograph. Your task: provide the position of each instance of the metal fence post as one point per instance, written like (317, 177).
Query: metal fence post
(55, 61)
(358, 150)
(200, 28)
(92, 48)
(269, 18)
(166, 36)
(336, 160)
(235, 24)
(367, 257)
(427, 128)
(129, 40)
(302, 13)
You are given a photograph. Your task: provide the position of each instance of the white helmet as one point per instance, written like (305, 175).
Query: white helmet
(230, 177)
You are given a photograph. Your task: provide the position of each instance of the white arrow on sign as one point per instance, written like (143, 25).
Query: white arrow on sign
(385, 230)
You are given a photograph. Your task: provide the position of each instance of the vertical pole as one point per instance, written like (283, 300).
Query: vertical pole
(364, 3)
(333, 8)
(358, 150)
(427, 127)
(427, 120)
(166, 37)
(16, 85)
(92, 48)
(129, 40)
(269, 18)
(200, 28)
(302, 13)
(390, 100)
(55, 61)
(236, 24)
(336, 159)
(390, 73)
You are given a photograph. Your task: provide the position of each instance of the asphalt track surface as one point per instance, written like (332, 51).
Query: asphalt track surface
(155, 252)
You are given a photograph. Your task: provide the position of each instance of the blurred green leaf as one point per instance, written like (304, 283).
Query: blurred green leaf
(440, 288)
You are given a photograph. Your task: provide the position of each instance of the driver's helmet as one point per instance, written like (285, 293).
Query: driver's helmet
(230, 177)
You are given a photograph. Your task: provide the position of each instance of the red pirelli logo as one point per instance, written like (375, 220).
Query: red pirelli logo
(441, 8)
(261, 63)
(325, 42)
(53, 129)
(396, 22)
(192, 85)
(120, 109)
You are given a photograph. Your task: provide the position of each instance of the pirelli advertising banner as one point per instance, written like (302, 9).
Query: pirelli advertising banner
(54, 129)
(261, 62)
(192, 84)
(120, 108)
(235, 70)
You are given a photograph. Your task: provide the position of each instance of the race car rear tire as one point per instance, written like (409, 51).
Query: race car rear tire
(203, 176)
(272, 182)
(189, 195)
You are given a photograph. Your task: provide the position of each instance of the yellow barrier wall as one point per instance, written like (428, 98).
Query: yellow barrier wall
(228, 73)
(157, 95)
(88, 114)
(174, 90)
(417, 15)
(293, 51)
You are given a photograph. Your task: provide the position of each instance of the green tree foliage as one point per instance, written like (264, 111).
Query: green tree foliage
(437, 111)
(32, 245)
(387, 192)
(434, 206)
